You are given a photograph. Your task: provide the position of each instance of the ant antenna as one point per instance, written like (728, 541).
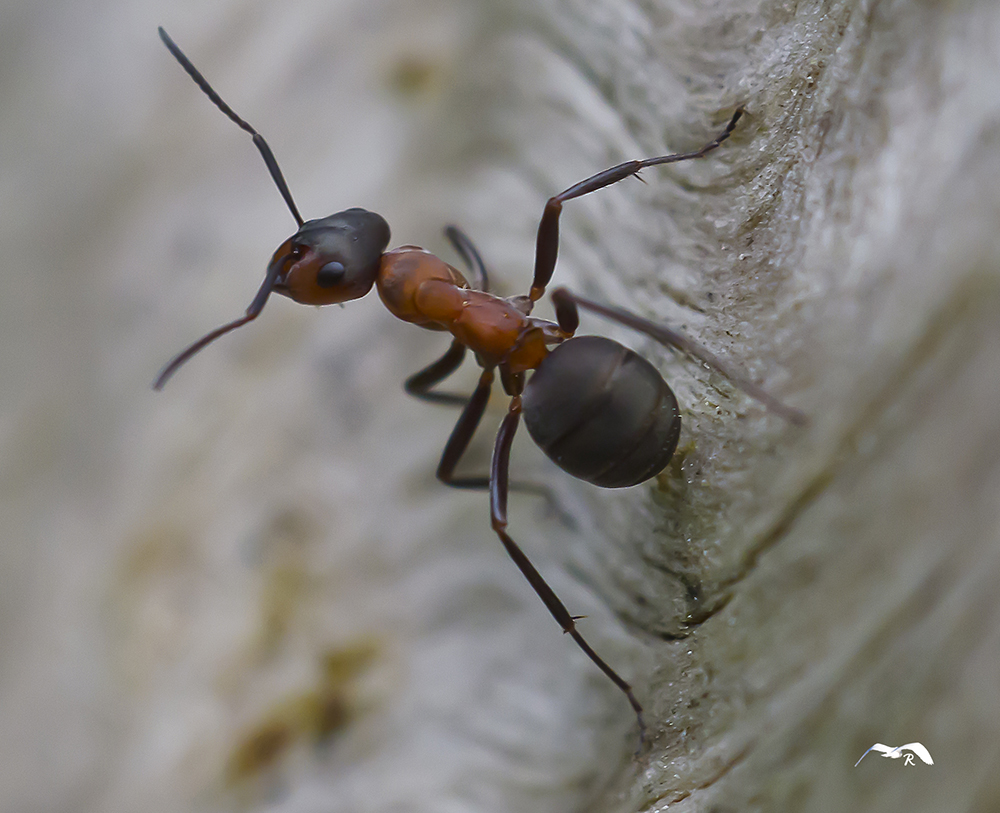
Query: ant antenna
(273, 270)
(275, 267)
(258, 139)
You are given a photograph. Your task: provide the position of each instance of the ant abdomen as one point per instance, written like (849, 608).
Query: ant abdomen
(602, 413)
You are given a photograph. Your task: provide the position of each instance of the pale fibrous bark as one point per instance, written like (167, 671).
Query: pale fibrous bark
(198, 586)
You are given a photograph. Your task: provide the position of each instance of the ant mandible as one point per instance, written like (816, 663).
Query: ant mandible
(597, 409)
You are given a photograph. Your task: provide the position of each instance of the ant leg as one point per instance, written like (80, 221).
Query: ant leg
(419, 384)
(499, 487)
(462, 434)
(547, 244)
(467, 251)
(566, 302)
(459, 441)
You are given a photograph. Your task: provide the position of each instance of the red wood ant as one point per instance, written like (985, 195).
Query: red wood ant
(597, 409)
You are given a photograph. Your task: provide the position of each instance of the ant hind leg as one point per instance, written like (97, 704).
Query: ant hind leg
(458, 443)
(566, 303)
(499, 488)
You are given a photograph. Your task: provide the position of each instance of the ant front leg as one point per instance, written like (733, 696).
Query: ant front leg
(547, 244)
(499, 489)
(566, 309)
(419, 384)
(470, 255)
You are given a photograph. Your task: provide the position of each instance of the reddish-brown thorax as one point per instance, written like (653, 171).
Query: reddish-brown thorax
(418, 287)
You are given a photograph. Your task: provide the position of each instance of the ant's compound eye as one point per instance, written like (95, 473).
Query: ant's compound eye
(330, 275)
(296, 252)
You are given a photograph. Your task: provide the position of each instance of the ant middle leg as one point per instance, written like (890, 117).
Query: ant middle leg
(458, 443)
(420, 384)
(499, 488)
(547, 242)
(462, 434)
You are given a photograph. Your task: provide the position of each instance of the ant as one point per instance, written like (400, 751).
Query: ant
(599, 411)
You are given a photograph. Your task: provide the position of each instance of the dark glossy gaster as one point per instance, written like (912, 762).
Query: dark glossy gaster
(598, 410)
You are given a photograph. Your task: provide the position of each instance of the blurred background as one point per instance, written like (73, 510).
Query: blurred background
(249, 592)
(248, 589)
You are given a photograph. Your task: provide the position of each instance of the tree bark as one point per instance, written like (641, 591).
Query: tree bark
(249, 590)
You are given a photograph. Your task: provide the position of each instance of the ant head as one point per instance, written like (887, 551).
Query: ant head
(330, 260)
(334, 259)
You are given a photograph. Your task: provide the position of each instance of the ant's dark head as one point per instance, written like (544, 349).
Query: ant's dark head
(334, 259)
(330, 260)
